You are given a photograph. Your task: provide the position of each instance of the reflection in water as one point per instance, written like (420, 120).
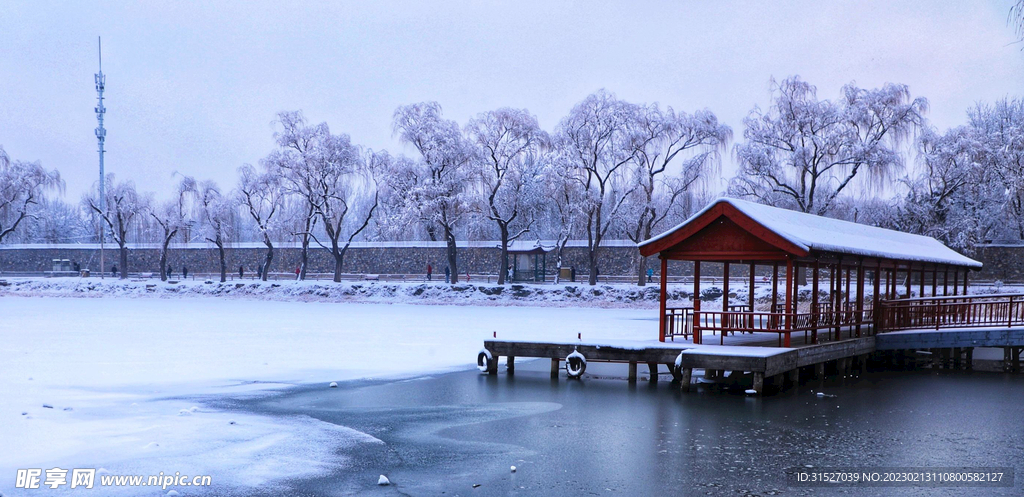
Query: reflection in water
(606, 437)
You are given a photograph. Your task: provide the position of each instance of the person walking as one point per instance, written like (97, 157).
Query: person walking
(430, 270)
(447, 274)
(298, 271)
(509, 273)
(650, 273)
(241, 272)
(113, 270)
(170, 272)
(184, 272)
(259, 272)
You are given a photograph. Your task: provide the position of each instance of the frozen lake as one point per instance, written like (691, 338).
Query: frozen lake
(117, 374)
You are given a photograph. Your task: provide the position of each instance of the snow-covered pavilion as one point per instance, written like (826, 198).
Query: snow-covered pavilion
(850, 255)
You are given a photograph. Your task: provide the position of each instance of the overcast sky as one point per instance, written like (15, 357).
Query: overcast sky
(194, 87)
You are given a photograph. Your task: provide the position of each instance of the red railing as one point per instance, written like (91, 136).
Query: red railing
(952, 312)
(680, 321)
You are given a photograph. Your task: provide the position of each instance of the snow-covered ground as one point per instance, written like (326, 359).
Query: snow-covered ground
(118, 383)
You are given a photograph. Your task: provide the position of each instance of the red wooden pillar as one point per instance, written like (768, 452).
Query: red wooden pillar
(910, 278)
(789, 299)
(775, 287)
(935, 281)
(860, 295)
(662, 297)
(725, 301)
(956, 281)
(838, 300)
(814, 301)
(945, 281)
(750, 291)
(966, 272)
(725, 287)
(876, 309)
(846, 298)
(696, 302)
(920, 285)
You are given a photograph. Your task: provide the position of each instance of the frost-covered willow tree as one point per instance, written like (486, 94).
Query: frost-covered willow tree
(510, 145)
(348, 197)
(436, 188)
(674, 153)
(802, 152)
(1016, 18)
(297, 161)
(120, 210)
(22, 189)
(173, 216)
(261, 194)
(216, 216)
(955, 198)
(564, 212)
(1000, 129)
(596, 142)
(336, 181)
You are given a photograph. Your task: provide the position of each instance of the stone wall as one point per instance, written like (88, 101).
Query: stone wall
(1002, 262)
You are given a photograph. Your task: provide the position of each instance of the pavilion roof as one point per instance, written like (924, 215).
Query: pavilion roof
(808, 232)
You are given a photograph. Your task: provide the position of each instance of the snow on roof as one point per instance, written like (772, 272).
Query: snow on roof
(528, 246)
(825, 234)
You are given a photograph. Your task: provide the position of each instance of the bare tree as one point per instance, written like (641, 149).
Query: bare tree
(597, 143)
(437, 186)
(173, 216)
(674, 153)
(802, 153)
(216, 220)
(22, 186)
(511, 143)
(262, 196)
(121, 209)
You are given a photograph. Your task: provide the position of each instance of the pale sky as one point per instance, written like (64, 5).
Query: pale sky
(193, 87)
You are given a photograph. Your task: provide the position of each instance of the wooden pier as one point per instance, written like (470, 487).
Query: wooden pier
(682, 358)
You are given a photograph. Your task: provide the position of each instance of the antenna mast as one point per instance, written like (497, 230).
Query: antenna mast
(101, 136)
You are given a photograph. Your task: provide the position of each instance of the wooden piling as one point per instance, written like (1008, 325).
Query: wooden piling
(510, 366)
(554, 368)
(632, 372)
(652, 367)
(684, 382)
(759, 383)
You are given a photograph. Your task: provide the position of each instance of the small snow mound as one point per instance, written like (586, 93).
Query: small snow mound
(151, 445)
(333, 384)
(383, 480)
(751, 391)
(513, 469)
(193, 409)
(184, 412)
(102, 471)
(172, 492)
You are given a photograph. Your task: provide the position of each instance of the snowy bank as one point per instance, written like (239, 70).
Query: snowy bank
(618, 295)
